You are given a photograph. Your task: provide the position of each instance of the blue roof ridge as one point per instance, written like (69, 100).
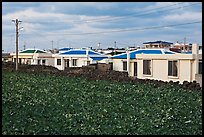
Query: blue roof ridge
(96, 54)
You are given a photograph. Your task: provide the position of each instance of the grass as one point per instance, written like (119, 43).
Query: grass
(43, 104)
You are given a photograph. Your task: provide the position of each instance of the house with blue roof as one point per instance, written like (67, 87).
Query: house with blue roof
(77, 58)
(160, 64)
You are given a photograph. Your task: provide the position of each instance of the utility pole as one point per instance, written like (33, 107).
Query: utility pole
(184, 40)
(115, 44)
(24, 46)
(17, 29)
(99, 45)
(52, 44)
(184, 44)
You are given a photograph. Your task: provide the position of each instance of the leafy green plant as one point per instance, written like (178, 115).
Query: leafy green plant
(47, 104)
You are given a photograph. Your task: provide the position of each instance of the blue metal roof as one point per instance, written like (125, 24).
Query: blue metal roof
(157, 42)
(140, 51)
(168, 52)
(98, 58)
(189, 52)
(79, 52)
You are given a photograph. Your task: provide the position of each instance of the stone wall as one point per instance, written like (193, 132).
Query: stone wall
(103, 66)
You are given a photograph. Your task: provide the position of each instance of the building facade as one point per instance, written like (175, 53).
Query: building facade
(160, 64)
(76, 58)
(34, 57)
(157, 44)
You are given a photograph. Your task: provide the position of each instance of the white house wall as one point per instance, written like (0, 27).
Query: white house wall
(55, 64)
(80, 62)
(159, 67)
(184, 74)
(117, 64)
(50, 62)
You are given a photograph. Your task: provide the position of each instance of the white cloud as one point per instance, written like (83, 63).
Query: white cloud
(100, 5)
(33, 20)
(30, 14)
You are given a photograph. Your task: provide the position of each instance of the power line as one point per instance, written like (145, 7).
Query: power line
(124, 30)
(106, 18)
(137, 15)
(123, 16)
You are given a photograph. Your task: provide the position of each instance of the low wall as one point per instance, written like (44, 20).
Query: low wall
(198, 78)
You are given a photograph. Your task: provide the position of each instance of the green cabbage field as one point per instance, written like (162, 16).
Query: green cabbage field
(52, 105)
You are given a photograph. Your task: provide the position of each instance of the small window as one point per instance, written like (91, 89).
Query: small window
(38, 61)
(173, 68)
(43, 62)
(125, 65)
(58, 61)
(147, 67)
(200, 67)
(74, 62)
(111, 65)
(88, 62)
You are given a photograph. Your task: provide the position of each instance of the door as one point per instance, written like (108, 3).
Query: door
(67, 63)
(135, 68)
(20, 60)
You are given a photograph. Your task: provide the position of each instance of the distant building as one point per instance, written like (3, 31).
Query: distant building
(6, 57)
(182, 47)
(53, 51)
(157, 44)
(111, 51)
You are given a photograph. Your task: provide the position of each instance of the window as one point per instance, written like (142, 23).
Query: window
(173, 68)
(67, 63)
(43, 62)
(74, 62)
(111, 65)
(124, 65)
(135, 68)
(58, 61)
(20, 60)
(147, 67)
(200, 67)
(88, 62)
(38, 61)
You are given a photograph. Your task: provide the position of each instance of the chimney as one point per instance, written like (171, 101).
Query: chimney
(87, 55)
(128, 61)
(87, 51)
(195, 49)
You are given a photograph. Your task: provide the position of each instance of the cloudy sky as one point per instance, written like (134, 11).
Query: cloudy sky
(85, 24)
